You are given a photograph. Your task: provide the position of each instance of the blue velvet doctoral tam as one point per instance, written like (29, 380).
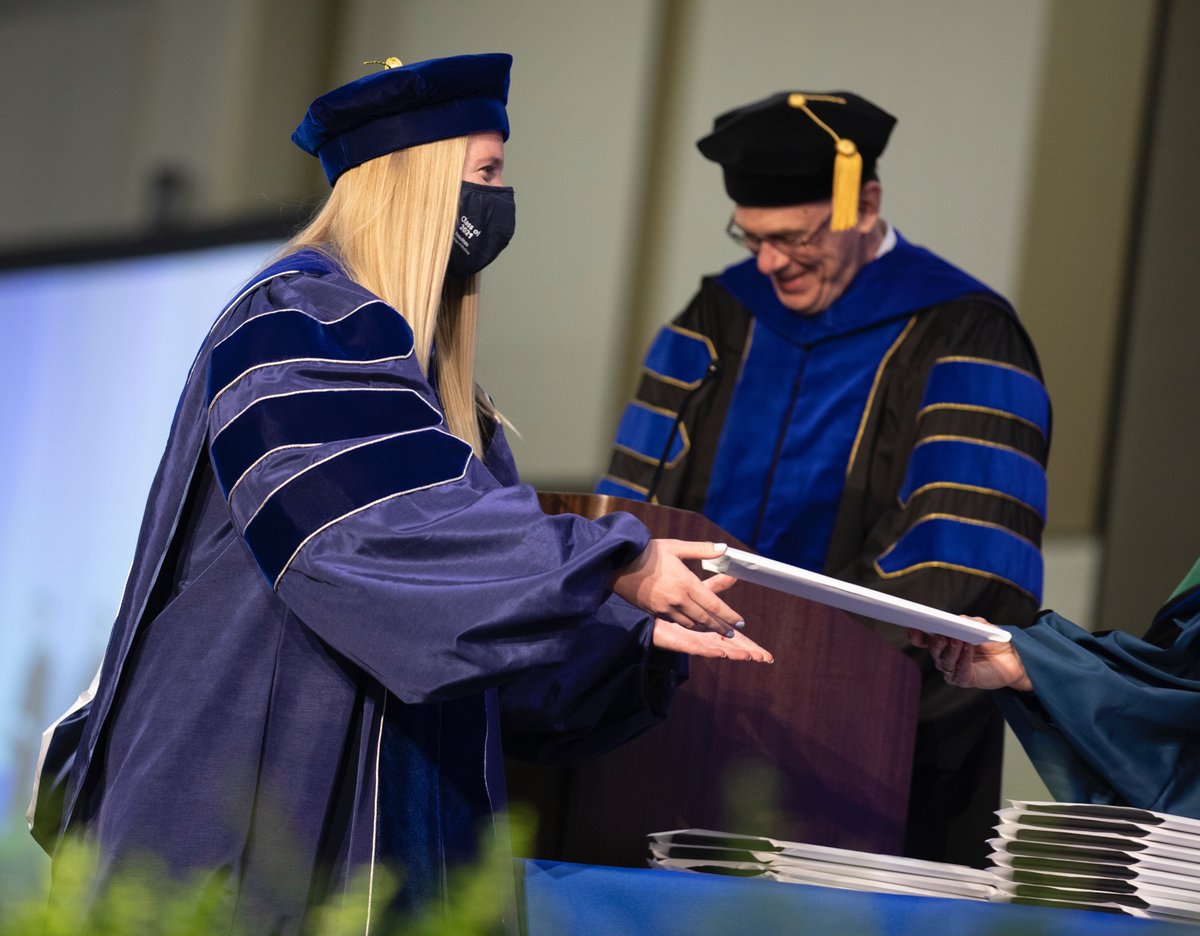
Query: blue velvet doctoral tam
(335, 611)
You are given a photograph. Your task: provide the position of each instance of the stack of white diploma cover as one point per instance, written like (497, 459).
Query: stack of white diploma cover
(797, 863)
(1112, 858)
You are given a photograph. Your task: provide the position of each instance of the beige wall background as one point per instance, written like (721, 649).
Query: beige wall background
(1151, 500)
(1042, 144)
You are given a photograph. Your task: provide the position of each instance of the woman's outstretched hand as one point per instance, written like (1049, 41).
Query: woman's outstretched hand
(986, 666)
(660, 584)
(669, 636)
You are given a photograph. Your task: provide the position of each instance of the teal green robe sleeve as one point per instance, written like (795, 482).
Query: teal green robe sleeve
(1114, 718)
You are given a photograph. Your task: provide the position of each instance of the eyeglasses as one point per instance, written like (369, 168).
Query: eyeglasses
(785, 241)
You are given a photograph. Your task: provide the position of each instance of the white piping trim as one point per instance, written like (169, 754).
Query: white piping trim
(375, 817)
(317, 464)
(303, 360)
(351, 513)
(256, 317)
(290, 393)
(264, 314)
(322, 322)
(262, 457)
(233, 302)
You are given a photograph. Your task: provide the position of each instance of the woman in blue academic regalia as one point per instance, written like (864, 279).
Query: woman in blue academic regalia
(342, 597)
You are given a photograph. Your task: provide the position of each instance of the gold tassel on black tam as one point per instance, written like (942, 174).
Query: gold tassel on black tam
(847, 165)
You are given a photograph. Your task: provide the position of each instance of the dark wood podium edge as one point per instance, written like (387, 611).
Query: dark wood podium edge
(664, 521)
(565, 799)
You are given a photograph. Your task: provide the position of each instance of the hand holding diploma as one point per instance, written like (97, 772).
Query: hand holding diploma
(983, 666)
(659, 583)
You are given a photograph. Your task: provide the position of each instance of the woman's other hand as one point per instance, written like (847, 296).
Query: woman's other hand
(659, 583)
(670, 636)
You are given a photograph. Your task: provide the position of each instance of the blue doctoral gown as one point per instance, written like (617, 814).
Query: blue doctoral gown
(334, 611)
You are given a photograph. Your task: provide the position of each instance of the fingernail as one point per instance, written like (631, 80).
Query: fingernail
(719, 547)
(729, 634)
(739, 624)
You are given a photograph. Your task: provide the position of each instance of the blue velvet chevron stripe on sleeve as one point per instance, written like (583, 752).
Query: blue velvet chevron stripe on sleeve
(644, 432)
(347, 482)
(314, 417)
(974, 383)
(972, 464)
(318, 410)
(371, 332)
(680, 357)
(940, 541)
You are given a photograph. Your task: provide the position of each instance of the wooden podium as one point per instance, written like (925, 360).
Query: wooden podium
(816, 748)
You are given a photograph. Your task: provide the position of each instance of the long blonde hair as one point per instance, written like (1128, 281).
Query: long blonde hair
(389, 223)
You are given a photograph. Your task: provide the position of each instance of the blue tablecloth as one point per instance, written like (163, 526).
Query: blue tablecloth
(562, 899)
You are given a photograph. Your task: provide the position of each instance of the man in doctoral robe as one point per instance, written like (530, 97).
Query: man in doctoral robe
(851, 403)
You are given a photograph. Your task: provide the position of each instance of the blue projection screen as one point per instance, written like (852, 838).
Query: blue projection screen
(93, 360)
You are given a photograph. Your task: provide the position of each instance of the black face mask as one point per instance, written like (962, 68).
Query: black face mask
(487, 218)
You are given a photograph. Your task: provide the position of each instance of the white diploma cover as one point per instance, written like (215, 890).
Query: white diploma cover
(856, 599)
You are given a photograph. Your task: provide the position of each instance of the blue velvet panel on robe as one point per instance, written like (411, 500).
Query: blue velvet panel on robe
(987, 549)
(651, 435)
(975, 465)
(803, 389)
(990, 386)
(680, 356)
